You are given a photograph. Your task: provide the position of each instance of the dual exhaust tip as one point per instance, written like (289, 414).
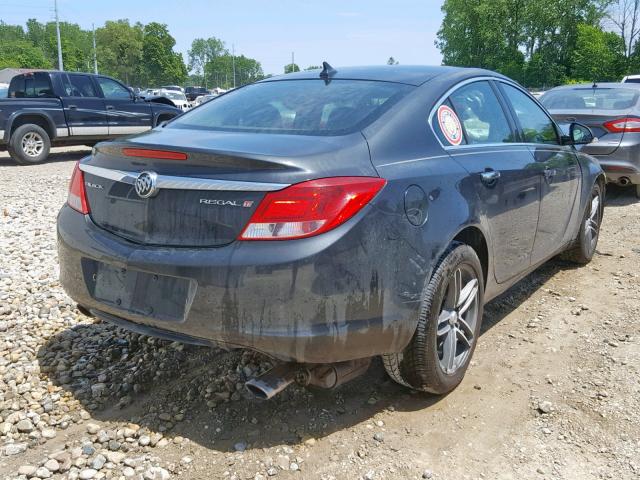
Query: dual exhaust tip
(327, 376)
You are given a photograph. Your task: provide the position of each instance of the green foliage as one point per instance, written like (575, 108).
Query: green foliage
(532, 41)
(291, 67)
(160, 64)
(598, 56)
(136, 54)
(219, 71)
(392, 61)
(201, 52)
(119, 47)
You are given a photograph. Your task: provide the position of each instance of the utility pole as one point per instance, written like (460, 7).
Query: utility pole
(95, 53)
(233, 62)
(60, 64)
(293, 61)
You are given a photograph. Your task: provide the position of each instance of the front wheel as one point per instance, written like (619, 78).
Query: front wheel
(584, 246)
(29, 144)
(448, 327)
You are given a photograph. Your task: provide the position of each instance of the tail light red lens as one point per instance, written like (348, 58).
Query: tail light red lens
(310, 208)
(77, 197)
(157, 154)
(627, 124)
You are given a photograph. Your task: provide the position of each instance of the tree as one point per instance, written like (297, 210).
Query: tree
(119, 49)
(530, 40)
(291, 67)
(220, 70)
(21, 54)
(392, 61)
(599, 56)
(160, 64)
(625, 16)
(203, 51)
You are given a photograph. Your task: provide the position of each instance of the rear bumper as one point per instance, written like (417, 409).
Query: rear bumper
(323, 299)
(623, 163)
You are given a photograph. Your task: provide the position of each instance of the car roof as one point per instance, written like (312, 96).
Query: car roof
(409, 74)
(581, 86)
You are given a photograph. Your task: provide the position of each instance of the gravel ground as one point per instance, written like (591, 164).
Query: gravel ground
(553, 391)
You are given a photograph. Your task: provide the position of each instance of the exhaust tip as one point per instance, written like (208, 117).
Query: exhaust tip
(624, 181)
(257, 391)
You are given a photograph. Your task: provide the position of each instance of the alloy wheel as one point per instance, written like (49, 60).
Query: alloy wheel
(458, 319)
(592, 223)
(32, 144)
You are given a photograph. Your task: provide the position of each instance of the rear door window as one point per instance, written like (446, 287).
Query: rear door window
(78, 86)
(477, 112)
(536, 125)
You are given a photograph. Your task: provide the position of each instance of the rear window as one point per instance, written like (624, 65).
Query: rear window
(591, 98)
(31, 85)
(304, 107)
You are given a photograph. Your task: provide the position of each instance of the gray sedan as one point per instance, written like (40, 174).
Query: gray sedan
(612, 111)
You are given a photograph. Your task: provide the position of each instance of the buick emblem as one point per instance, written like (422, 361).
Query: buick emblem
(145, 184)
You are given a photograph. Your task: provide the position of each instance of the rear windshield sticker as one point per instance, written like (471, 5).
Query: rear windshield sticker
(450, 125)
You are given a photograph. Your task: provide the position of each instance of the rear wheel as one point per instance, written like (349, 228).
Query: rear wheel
(451, 314)
(29, 144)
(584, 246)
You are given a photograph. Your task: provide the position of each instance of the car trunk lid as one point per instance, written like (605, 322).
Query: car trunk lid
(206, 199)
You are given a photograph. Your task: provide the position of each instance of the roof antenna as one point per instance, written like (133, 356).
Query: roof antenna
(327, 72)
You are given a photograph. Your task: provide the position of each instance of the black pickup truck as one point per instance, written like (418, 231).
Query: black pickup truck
(53, 108)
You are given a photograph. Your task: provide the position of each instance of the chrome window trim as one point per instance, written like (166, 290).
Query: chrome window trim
(485, 78)
(184, 183)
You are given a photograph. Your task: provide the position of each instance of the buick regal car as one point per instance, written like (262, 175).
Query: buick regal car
(324, 219)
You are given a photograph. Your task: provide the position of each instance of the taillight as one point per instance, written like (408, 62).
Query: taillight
(310, 208)
(77, 197)
(158, 154)
(627, 124)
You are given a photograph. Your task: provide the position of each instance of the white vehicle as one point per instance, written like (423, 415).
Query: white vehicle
(4, 90)
(203, 99)
(631, 79)
(175, 88)
(179, 99)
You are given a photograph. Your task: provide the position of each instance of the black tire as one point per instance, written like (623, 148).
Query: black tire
(419, 366)
(29, 144)
(583, 247)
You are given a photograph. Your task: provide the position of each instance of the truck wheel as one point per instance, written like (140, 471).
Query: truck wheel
(29, 144)
(448, 328)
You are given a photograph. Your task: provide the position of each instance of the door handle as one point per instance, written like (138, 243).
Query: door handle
(110, 107)
(490, 177)
(549, 173)
(73, 107)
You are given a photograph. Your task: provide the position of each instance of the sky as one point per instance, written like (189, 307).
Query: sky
(343, 33)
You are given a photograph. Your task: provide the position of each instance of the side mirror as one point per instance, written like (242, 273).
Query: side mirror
(579, 134)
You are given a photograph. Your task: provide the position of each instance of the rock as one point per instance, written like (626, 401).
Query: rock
(240, 446)
(52, 465)
(144, 440)
(156, 473)
(92, 428)
(14, 448)
(27, 470)
(378, 437)
(370, 475)
(48, 433)
(427, 474)
(272, 472)
(116, 457)
(87, 474)
(545, 407)
(98, 462)
(25, 426)
(42, 472)
(294, 467)
(128, 472)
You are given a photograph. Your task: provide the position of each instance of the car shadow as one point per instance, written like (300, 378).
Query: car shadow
(57, 155)
(146, 381)
(618, 196)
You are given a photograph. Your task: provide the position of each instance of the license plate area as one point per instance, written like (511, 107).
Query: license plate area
(159, 297)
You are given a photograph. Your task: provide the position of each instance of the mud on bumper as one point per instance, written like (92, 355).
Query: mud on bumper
(323, 299)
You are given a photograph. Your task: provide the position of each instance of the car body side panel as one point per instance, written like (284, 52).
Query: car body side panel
(48, 109)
